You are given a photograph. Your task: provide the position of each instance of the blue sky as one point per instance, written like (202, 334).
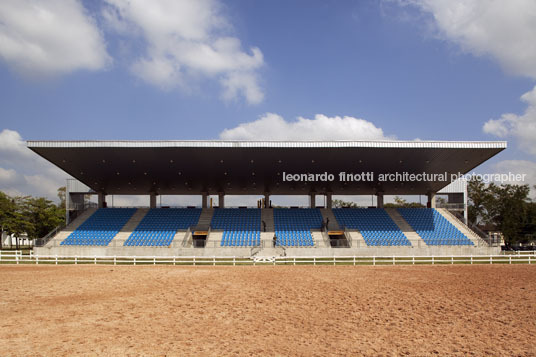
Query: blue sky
(385, 69)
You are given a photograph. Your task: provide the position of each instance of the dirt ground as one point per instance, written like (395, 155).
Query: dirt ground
(307, 310)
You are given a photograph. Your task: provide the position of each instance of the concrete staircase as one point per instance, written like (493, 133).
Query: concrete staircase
(65, 232)
(129, 227)
(267, 215)
(204, 219)
(475, 238)
(214, 239)
(328, 213)
(357, 239)
(203, 224)
(318, 238)
(404, 226)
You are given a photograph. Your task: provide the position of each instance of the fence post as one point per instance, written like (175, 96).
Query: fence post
(413, 260)
(333, 260)
(75, 260)
(491, 259)
(393, 260)
(374, 260)
(471, 259)
(37, 259)
(114, 260)
(56, 260)
(452, 259)
(432, 260)
(510, 259)
(214, 260)
(154, 260)
(174, 260)
(194, 260)
(234, 261)
(134, 260)
(314, 260)
(354, 260)
(16, 257)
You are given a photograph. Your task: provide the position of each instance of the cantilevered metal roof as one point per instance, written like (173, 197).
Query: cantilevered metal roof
(256, 167)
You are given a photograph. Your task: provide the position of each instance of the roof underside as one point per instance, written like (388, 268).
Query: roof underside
(256, 167)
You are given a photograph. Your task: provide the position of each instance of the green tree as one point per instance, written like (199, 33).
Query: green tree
(7, 211)
(62, 195)
(343, 204)
(19, 224)
(479, 198)
(44, 216)
(507, 209)
(400, 202)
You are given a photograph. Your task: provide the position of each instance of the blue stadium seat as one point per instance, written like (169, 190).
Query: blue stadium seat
(160, 225)
(241, 227)
(433, 228)
(374, 224)
(100, 228)
(293, 226)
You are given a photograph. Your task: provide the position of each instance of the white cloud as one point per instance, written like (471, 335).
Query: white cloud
(185, 41)
(519, 167)
(23, 172)
(522, 127)
(503, 29)
(273, 127)
(51, 37)
(7, 176)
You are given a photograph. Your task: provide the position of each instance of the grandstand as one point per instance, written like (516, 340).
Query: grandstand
(261, 168)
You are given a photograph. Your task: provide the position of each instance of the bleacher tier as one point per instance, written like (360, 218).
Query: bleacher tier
(241, 227)
(293, 226)
(374, 224)
(160, 225)
(433, 228)
(100, 228)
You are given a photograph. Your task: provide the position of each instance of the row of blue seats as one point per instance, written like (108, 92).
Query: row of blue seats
(100, 228)
(159, 226)
(293, 226)
(241, 227)
(433, 228)
(375, 225)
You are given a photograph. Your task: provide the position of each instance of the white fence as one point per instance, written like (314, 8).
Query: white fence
(16, 257)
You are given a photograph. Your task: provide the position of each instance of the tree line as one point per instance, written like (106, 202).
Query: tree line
(29, 216)
(503, 208)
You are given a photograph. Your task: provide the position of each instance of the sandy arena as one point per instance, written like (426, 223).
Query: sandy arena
(165, 310)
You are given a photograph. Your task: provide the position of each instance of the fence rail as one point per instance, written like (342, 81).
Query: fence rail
(16, 257)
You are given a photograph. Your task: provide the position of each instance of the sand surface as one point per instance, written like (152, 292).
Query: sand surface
(308, 311)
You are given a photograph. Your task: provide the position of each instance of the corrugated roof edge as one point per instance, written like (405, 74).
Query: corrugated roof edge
(266, 144)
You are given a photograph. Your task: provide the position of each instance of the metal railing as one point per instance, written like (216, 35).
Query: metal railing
(41, 242)
(16, 257)
(474, 228)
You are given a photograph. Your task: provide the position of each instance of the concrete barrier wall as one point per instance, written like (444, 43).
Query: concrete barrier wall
(246, 252)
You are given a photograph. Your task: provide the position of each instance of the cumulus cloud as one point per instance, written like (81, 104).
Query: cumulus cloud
(504, 30)
(185, 41)
(519, 167)
(274, 127)
(50, 37)
(521, 127)
(23, 172)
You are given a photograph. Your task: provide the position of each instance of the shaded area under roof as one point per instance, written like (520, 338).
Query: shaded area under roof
(256, 167)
